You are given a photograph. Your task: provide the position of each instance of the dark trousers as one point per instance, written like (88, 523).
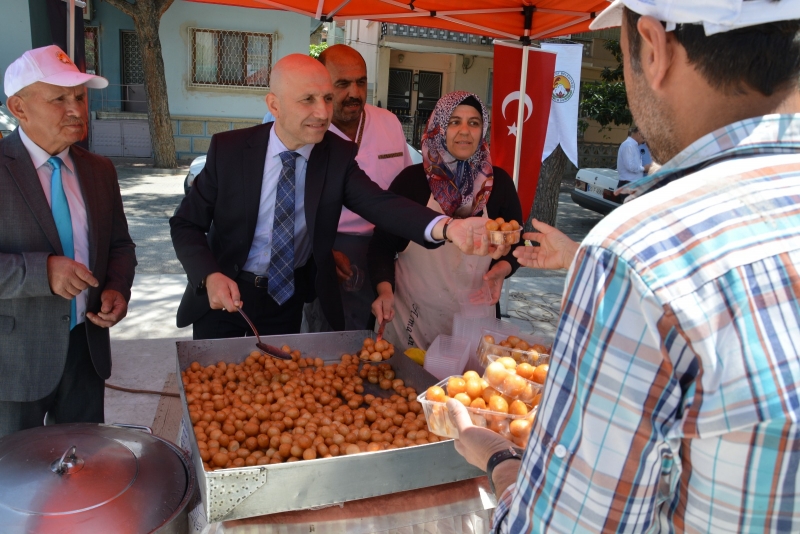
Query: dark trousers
(269, 317)
(78, 398)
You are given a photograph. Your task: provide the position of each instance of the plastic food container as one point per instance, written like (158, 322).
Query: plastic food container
(441, 424)
(446, 356)
(517, 387)
(476, 302)
(531, 355)
(469, 328)
(498, 237)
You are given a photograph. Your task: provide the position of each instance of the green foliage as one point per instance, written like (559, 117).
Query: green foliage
(608, 74)
(606, 101)
(316, 50)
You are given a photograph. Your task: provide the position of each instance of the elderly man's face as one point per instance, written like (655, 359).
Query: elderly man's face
(53, 117)
(304, 107)
(349, 77)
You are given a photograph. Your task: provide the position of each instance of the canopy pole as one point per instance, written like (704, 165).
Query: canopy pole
(71, 29)
(523, 83)
(520, 113)
(71, 25)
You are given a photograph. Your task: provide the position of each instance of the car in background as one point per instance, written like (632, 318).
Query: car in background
(8, 122)
(199, 163)
(594, 190)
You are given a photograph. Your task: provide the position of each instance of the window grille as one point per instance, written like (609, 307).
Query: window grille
(399, 89)
(430, 90)
(132, 67)
(230, 58)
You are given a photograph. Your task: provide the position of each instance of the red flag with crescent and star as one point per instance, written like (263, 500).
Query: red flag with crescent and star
(506, 99)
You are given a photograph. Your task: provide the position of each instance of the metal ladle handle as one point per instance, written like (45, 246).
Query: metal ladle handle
(68, 463)
(252, 326)
(267, 349)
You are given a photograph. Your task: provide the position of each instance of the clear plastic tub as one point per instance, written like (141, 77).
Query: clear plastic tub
(469, 327)
(532, 355)
(441, 424)
(498, 237)
(476, 302)
(516, 387)
(446, 356)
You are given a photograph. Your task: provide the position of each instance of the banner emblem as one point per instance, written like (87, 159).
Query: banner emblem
(563, 86)
(510, 97)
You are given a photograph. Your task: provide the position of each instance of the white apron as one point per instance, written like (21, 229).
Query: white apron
(426, 282)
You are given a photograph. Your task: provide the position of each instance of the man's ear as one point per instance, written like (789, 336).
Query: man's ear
(272, 104)
(656, 51)
(16, 107)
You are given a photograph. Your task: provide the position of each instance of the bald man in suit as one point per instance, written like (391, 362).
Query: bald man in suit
(259, 224)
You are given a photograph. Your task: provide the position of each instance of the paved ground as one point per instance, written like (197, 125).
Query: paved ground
(150, 197)
(143, 344)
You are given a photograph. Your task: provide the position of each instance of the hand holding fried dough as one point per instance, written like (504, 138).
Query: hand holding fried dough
(470, 236)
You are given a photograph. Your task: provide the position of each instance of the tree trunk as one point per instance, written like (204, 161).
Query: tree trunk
(146, 21)
(545, 203)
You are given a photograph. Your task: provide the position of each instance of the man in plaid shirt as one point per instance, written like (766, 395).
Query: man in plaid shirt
(671, 404)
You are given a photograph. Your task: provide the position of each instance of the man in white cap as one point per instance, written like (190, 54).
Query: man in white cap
(672, 403)
(66, 258)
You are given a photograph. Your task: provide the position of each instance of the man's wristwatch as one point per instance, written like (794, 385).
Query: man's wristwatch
(500, 457)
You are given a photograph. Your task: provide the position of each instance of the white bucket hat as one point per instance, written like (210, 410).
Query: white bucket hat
(48, 64)
(716, 16)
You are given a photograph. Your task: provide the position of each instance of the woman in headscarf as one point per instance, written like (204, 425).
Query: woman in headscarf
(417, 292)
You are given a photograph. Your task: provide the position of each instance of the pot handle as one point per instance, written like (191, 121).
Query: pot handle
(68, 463)
(135, 427)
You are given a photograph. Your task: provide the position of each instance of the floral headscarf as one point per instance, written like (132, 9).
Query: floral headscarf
(461, 188)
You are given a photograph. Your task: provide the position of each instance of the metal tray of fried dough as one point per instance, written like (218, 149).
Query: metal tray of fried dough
(259, 490)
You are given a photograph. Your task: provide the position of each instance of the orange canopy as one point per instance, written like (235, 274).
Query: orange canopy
(503, 19)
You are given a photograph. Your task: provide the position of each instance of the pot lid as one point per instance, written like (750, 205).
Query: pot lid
(103, 478)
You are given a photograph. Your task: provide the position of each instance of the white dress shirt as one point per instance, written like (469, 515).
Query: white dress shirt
(258, 259)
(629, 161)
(77, 207)
(383, 153)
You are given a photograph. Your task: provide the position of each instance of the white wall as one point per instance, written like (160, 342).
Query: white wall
(292, 36)
(15, 33)
(476, 79)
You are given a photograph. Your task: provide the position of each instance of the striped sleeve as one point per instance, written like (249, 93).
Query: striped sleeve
(598, 459)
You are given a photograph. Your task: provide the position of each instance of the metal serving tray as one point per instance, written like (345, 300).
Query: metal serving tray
(259, 490)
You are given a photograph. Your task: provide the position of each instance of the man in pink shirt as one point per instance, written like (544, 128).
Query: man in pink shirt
(382, 154)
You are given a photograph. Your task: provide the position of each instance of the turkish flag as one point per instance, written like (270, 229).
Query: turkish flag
(506, 100)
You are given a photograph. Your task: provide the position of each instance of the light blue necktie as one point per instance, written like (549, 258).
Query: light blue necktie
(60, 207)
(280, 275)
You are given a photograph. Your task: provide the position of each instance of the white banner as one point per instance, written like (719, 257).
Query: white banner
(563, 124)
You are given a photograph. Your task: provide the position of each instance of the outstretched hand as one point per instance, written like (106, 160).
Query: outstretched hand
(471, 237)
(555, 249)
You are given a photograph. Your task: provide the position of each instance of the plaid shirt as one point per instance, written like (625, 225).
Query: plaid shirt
(672, 400)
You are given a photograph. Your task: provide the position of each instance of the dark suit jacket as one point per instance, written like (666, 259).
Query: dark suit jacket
(34, 323)
(213, 228)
